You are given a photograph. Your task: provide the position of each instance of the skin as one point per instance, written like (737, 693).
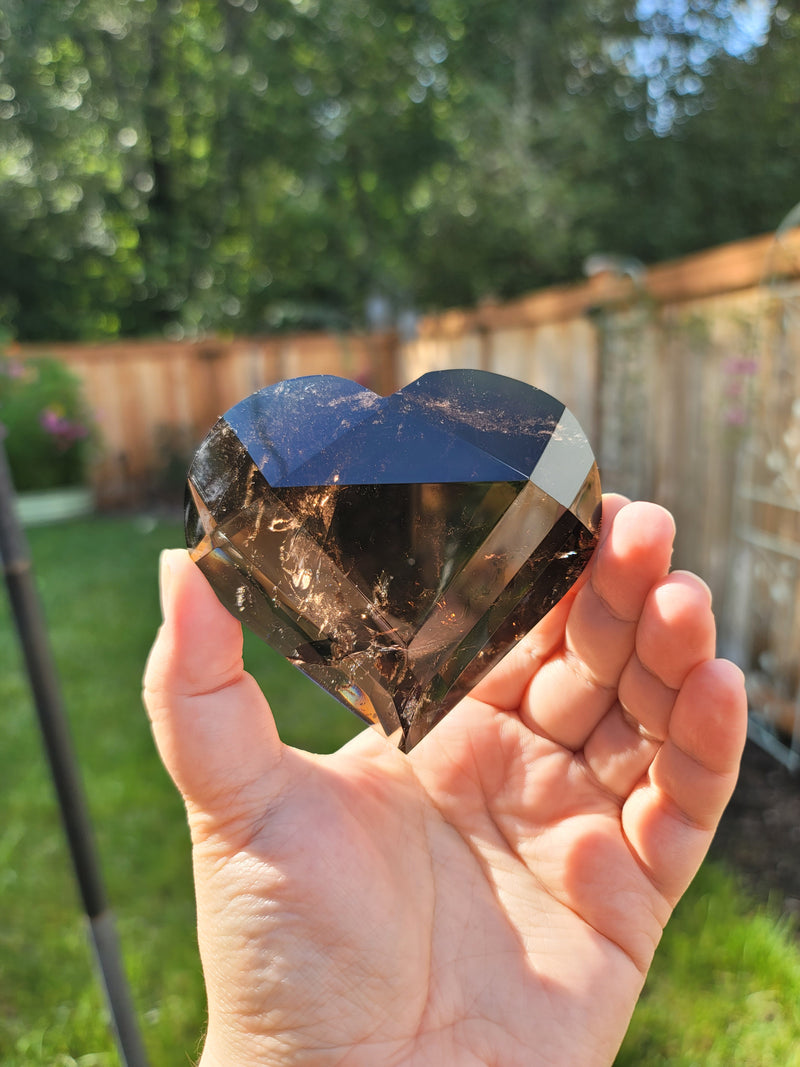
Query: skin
(496, 897)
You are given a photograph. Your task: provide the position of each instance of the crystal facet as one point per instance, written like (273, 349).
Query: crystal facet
(394, 548)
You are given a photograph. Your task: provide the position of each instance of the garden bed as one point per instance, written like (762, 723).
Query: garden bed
(760, 832)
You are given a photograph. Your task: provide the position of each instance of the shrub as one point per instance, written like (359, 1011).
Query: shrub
(48, 426)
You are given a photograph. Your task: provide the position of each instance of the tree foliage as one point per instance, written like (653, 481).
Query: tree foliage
(175, 166)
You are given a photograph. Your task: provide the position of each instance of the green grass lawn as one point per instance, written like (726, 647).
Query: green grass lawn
(725, 989)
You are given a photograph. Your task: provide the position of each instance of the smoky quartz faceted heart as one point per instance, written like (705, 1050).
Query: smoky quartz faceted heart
(394, 548)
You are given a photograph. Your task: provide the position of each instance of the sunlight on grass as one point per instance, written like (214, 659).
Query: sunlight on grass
(725, 988)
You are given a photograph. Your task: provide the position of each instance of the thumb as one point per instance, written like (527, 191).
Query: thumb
(212, 726)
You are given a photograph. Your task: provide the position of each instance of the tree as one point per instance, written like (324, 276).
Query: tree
(179, 166)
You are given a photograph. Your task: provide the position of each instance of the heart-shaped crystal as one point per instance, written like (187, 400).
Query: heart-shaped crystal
(394, 548)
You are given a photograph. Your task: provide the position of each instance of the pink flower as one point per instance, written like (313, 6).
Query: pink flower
(63, 430)
(51, 421)
(739, 365)
(736, 416)
(15, 369)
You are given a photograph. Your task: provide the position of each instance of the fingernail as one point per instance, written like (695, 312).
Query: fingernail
(165, 580)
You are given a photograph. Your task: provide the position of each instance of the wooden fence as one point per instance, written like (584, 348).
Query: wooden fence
(685, 376)
(154, 401)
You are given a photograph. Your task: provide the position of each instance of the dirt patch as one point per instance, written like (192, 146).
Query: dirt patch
(760, 832)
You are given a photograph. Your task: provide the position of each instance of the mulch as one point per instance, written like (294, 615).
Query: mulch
(759, 835)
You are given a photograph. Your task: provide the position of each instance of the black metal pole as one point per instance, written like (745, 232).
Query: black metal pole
(32, 632)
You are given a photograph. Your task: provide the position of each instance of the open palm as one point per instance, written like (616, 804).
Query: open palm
(495, 897)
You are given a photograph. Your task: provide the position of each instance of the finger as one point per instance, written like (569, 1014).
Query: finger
(670, 820)
(678, 630)
(577, 686)
(505, 685)
(618, 753)
(675, 633)
(212, 725)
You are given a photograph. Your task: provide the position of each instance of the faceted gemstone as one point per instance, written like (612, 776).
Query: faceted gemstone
(394, 548)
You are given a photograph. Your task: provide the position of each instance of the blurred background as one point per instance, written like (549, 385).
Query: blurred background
(176, 166)
(201, 197)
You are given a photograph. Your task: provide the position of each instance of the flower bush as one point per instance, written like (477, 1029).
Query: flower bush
(48, 426)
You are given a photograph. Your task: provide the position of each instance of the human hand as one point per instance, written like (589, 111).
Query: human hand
(495, 897)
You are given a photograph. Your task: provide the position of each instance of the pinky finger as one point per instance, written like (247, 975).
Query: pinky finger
(670, 819)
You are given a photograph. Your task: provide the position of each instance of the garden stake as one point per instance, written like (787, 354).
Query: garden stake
(44, 684)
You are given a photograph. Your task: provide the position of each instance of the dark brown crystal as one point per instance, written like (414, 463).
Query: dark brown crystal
(395, 596)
